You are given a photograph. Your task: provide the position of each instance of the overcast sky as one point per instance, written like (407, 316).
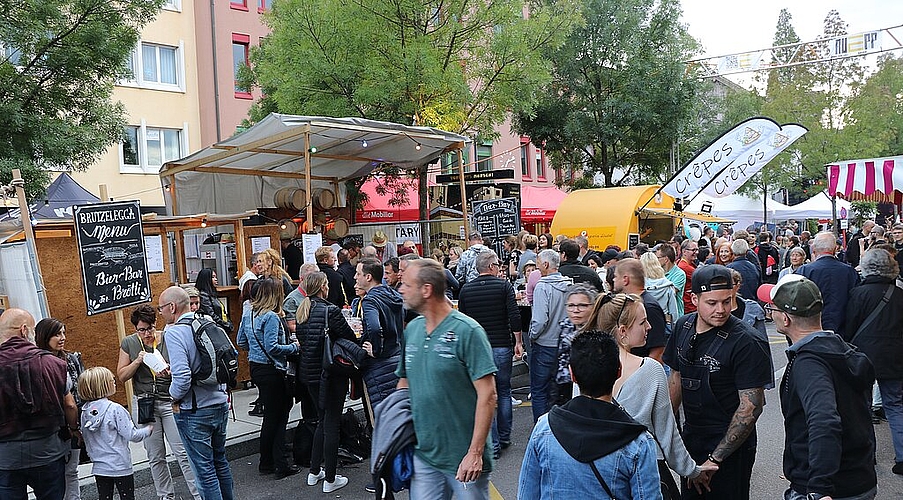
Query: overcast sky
(726, 27)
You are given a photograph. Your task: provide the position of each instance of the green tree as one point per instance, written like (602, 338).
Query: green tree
(59, 61)
(874, 113)
(453, 64)
(620, 96)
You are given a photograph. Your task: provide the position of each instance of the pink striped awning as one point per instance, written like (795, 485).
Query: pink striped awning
(877, 179)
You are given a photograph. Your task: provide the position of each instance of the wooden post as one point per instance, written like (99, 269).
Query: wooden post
(463, 195)
(307, 182)
(241, 259)
(118, 314)
(30, 244)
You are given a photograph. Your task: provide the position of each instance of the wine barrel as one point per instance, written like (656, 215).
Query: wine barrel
(337, 229)
(290, 198)
(323, 199)
(290, 231)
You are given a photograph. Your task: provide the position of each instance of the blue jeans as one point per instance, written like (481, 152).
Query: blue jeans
(543, 366)
(428, 483)
(204, 436)
(501, 424)
(47, 481)
(892, 399)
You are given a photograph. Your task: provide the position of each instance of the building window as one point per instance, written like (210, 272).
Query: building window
(450, 162)
(154, 66)
(540, 165)
(175, 5)
(158, 64)
(11, 54)
(484, 156)
(263, 5)
(240, 44)
(239, 4)
(525, 160)
(145, 149)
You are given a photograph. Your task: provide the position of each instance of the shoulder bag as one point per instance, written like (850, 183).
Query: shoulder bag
(288, 381)
(875, 313)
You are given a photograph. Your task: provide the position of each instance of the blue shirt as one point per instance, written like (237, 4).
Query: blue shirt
(183, 358)
(264, 339)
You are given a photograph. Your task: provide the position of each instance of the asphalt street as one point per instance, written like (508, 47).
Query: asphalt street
(767, 482)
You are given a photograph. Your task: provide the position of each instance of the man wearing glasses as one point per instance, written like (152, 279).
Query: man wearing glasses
(718, 372)
(490, 301)
(829, 441)
(200, 411)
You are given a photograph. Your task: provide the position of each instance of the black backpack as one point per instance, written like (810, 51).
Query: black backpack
(218, 356)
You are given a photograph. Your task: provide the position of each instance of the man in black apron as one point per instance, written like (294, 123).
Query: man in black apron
(719, 372)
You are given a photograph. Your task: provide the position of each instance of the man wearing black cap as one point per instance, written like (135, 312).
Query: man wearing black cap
(719, 371)
(829, 441)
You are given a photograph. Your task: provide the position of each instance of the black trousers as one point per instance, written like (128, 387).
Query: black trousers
(330, 397)
(276, 401)
(124, 484)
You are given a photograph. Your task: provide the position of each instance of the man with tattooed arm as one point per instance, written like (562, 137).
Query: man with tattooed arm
(719, 371)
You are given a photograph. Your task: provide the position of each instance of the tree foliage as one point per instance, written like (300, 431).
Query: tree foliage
(59, 62)
(453, 64)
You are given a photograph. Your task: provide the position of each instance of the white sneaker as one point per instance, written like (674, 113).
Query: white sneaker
(515, 402)
(312, 479)
(340, 482)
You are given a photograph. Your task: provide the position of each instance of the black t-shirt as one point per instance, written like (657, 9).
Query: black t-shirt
(742, 362)
(655, 337)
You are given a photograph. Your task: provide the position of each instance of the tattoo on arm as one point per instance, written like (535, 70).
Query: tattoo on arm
(742, 424)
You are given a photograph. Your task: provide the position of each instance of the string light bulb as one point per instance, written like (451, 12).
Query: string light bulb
(282, 225)
(204, 222)
(364, 143)
(417, 147)
(313, 149)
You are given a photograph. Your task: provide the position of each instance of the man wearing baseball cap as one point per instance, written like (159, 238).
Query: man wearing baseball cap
(719, 372)
(829, 443)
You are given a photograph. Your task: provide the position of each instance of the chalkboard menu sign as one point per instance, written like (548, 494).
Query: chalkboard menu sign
(495, 219)
(111, 243)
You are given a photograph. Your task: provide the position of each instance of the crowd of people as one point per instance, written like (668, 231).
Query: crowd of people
(617, 343)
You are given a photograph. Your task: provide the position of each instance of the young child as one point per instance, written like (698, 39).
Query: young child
(107, 428)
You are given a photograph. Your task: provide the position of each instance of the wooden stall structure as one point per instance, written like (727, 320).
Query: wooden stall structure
(307, 152)
(96, 336)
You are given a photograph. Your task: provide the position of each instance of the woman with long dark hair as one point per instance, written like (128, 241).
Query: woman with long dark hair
(319, 321)
(206, 284)
(262, 333)
(50, 335)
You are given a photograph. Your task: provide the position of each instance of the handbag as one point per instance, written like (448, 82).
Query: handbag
(146, 409)
(341, 357)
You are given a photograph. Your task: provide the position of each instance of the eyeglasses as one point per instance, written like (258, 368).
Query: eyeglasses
(578, 307)
(627, 298)
(149, 329)
(770, 309)
(162, 306)
(496, 264)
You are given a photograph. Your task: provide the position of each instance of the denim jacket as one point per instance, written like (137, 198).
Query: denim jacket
(268, 334)
(629, 468)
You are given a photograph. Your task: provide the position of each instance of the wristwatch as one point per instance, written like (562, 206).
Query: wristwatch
(814, 496)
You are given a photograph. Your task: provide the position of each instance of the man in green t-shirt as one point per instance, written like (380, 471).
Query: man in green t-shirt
(452, 417)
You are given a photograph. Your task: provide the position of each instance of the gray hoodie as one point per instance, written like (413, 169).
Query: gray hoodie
(549, 309)
(107, 429)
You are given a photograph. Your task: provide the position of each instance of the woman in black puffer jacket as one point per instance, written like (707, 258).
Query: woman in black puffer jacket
(328, 390)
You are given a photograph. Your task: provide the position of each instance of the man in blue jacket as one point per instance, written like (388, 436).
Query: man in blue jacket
(834, 279)
(589, 444)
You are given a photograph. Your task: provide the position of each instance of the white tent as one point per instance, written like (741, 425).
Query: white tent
(817, 207)
(743, 209)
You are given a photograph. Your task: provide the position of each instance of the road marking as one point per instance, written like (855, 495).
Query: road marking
(494, 493)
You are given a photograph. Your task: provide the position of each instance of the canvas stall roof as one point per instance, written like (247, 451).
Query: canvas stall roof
(539, 203)
(244, 172)
(676, 214)
(62, 194)
(875, 179)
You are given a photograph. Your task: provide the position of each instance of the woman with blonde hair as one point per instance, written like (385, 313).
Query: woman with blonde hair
(263, 334)
(319, 321)
(642, 388)
(661, 288)
(269, 262)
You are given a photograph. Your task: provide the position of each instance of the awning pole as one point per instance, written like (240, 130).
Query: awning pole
(463, 195)
(307, 182)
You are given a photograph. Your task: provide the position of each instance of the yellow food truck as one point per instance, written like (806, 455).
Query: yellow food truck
(621, 216)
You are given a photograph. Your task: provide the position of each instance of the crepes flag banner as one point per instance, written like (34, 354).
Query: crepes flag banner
(718, 155)
(753, 160)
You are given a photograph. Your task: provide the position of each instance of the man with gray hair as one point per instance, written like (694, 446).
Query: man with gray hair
(747, 269)
(834, 279)
(853, 249)
(585, 252)
(545, 328)
(201, 411)
(490, 301)
(466, 270)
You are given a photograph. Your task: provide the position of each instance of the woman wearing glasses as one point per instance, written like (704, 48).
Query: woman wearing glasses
(579, 301)
(150, 384)
(642, 389)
